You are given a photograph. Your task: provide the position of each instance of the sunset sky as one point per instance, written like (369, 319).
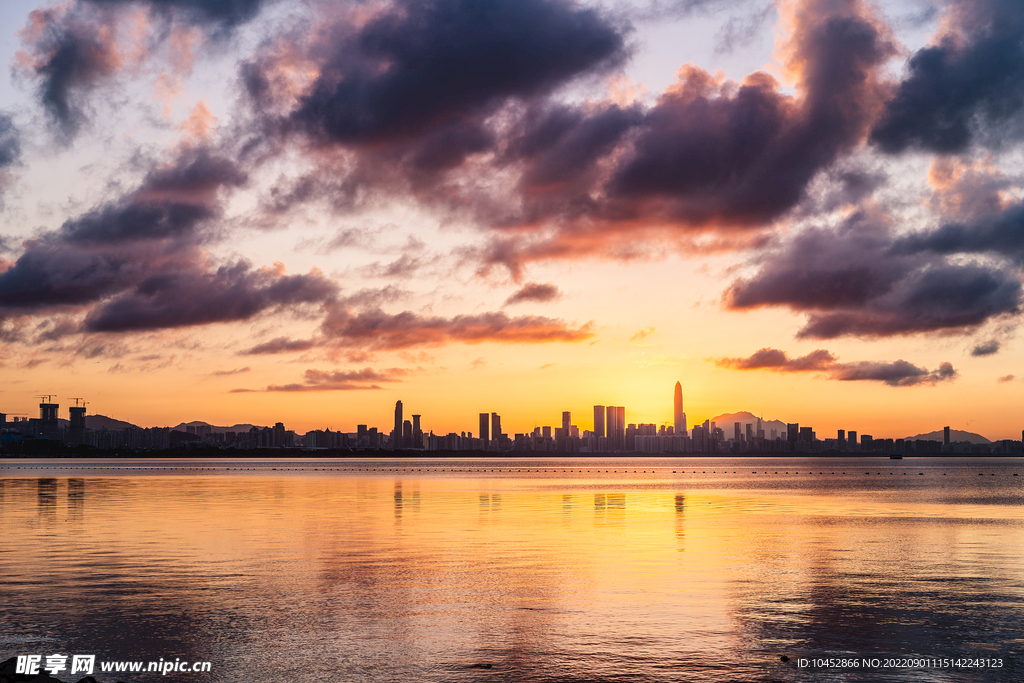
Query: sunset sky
(268, 210)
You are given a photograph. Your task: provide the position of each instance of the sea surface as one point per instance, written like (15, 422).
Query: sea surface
(532, 570)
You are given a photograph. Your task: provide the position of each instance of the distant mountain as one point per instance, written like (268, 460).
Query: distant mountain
(213, 428)
(727, 423)
(101, 421)
(954, 435)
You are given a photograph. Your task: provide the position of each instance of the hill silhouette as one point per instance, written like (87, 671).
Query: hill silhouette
(954, 435)
(726, 421)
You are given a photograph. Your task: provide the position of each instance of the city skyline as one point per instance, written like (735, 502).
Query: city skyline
(610, 433)
(266, 212)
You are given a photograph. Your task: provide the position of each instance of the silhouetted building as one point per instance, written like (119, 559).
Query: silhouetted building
(945, 436)
(841, 439)
(793, 433)
(485, 427)
(48, 426)
(599, 422)
(417, 433)
(76, 426)
(677, 410)
(566, 419)
(496, 426)
(406, 434)
(396, 436)
(851, 440)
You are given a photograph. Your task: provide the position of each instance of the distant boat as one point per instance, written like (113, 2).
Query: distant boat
(895, 457)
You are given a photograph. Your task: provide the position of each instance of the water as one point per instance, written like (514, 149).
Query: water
(544, 570)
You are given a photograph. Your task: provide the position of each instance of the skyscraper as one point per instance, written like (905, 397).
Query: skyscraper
(599, 422)
(495, 426)
(680, 416)
(396, 436)
(566, 419)
(620, 427)
(485, 424)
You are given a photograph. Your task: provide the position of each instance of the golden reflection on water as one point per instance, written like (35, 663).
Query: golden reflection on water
(413, 577)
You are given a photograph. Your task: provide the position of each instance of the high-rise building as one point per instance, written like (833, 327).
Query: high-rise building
(49, 425)
(485, 426)
(599, 422)
(417, 433)
(496, 426)
(609, 427)
(945, 436)
(793, 432)
(620, 427)
(76, 426)
(851, 440)
(736, 431)
(841, 439)
(679, 415)
(396, 436)
(566, 419)
(406, 434)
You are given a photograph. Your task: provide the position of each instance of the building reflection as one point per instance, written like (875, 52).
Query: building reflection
(76, 498)
(681, 521)
(46, 491)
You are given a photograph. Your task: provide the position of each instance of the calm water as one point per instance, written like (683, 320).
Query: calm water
(546, 570)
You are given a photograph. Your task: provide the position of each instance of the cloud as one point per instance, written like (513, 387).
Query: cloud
(375, 329)
(10, 152)
(773, 359)
(898, 373)
(1006, 378)
(72, 48)
(535, 291)
(857, 280)
(338, 380)
(964, 89)
(642, 334)
(449, 60)
(137, 262)
(986, 348)
(280, 345)
(227, 373)
(185, 298)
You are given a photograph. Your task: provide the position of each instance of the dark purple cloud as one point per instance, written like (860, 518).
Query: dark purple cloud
(966, 88)
(339, 380)
(898, 373)
(150, 232)
(375, 329)
(190, 297)
(986, 348)
(416, 67)
(280, 345)
(856, 281)
(535, 291)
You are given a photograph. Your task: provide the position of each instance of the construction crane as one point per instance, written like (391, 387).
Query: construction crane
(46, 396)
(76, 399)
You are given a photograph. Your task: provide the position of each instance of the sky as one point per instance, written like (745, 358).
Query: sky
(259, 211)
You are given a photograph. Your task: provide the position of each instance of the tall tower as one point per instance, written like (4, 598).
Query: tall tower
(396, 436)
(599, 422)
(495, 426)
(680, 416)
(566, 419)
(485, 424)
